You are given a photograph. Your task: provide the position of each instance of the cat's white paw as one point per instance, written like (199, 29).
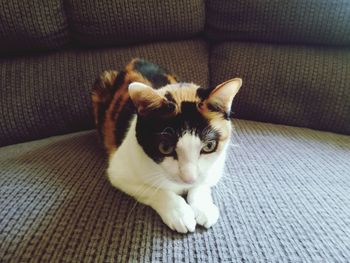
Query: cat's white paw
(206, 215)
(179, 218)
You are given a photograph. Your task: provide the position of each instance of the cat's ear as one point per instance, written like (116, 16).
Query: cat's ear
(146, 99)
(222, 96)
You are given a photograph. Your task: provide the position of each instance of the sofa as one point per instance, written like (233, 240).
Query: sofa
(285, 194)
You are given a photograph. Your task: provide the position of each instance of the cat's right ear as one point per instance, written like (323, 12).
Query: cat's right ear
(145, 98)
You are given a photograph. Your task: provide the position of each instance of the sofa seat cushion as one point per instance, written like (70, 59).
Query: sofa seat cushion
(288, 21)
(284, 197)
(49, 94)
(287, 84)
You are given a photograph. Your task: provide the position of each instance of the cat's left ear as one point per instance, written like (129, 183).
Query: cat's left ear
(222, 96)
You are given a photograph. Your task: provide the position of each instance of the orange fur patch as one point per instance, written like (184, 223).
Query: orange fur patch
(171, 79)
(181, 92)
(101, 92)
(112, 114)
(217, 121)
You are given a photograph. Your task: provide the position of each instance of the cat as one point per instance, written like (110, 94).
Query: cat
(165, 139)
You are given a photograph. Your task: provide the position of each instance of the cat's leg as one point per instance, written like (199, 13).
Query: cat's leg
(201, 202)
(200, 199)
(171, 207)
(174, 211)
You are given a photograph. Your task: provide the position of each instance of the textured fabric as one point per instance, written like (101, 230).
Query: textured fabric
(289, 21)
(52, 24)
(32, 24)
(294, 85)
(48, 94)
(284, 198)
(97, 23)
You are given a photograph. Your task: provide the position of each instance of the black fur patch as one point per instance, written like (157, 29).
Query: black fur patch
(203, 93)
(123, 122)
(154, 73)
(169, 97)
(165, 111)
(101, 114)
(116, 107)
(152, 130)
(119, 81)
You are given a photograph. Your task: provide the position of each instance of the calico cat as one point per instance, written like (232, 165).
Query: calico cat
(165, 139)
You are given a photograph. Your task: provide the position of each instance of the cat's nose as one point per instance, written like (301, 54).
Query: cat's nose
(189, 174)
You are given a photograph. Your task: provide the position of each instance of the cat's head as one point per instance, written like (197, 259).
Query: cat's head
(184, 128)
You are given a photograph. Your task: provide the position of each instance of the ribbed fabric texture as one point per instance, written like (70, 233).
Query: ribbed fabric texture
(294, 85)
(49, 94)
(284, 198)
(99, 23)
(52, 24)
(288, 21)
(32, 24)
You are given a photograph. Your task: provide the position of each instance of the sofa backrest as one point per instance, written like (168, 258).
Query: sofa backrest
(325, 22)
(118, 22)
(46, 93)
(54, 24)
(32, 25)
(293, 57)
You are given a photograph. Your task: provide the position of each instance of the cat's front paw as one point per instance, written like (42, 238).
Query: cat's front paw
(206, 215)
(179, 217)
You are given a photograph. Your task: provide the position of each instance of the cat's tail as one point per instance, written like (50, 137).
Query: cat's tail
(102, 95)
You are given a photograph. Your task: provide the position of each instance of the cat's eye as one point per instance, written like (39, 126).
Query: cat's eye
(209, 147)
(166, 148)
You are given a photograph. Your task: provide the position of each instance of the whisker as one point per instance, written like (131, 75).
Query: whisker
(142, 190)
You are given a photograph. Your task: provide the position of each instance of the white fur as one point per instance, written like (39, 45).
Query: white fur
(160, 185)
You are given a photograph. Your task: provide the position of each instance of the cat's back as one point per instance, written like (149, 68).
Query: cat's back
(155, 75)
(112, 106)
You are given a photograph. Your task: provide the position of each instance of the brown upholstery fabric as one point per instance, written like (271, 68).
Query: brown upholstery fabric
(53, 24)
(48, 94)
(289, 21)
(32, 24)
(294, 85)
(98, 23)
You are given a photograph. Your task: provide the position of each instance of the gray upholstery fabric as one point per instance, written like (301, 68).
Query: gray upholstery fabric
(100, 23)
(32, 24)
(48, 94)
(294, 85)
(284, 198)
(288, 21)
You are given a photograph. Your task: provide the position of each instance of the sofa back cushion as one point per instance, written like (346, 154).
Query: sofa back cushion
(32, 24)
(287, 84)
(106, 22)
(287, 21)
(54, 24)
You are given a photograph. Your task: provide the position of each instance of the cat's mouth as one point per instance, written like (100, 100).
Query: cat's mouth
(180, 179)
(186, 182)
